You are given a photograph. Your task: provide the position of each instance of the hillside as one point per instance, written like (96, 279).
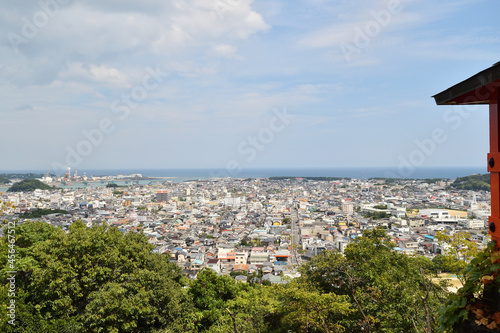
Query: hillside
(4, 180)
(29, 185)
(42, 212)
(29, 175)
(473, 182)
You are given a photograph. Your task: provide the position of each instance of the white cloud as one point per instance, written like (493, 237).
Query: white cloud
(94, 73)
(114, 34)
(225, 50)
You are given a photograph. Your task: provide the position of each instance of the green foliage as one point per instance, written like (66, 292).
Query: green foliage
(4, 180)
(230, 307)
(479, 292)
(376, 215)
(210, 294)
(473, 182)
(387, 180)
(306, 309)
(21, 175)
(459, 250)
(93, 279)
(391, 291)
(433, 180)
(441, 264)
(29, 185)
(380, 207)
(100, 280)
(253, 310)
(35, 213)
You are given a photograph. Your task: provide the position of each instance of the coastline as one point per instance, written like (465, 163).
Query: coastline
(353, 172)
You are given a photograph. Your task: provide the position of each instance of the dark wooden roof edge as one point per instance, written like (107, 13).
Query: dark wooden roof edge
(470, 87)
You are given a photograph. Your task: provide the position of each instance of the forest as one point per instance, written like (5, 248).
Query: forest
(473, 182)
(29, 185)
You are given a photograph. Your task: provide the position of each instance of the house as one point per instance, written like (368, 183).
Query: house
(241, 278)
(182, 256)
(196, 265)
(258, 256)
(241, 268)
(252, 269)
(214, 264)
(272, 278)
(240, 258)
(282, 256)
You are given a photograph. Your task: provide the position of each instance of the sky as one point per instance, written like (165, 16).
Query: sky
(128, 84)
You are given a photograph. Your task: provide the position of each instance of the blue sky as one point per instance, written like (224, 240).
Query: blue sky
(239, 83)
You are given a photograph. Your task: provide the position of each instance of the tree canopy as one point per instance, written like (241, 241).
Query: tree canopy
(391, 291)
(95, 279)
(472, 182)
(101, 280)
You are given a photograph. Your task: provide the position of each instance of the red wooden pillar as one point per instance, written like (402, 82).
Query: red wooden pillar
(494, 167)
(483, 88)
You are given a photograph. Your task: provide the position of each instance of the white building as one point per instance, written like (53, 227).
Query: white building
(348, 208)
(471, 223)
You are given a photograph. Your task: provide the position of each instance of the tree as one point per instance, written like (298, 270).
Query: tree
(305, 309)
(476, 306)
(4, 180)
(391, 291)
(458, 250)
(209, 294)
(95, 278)
(254, 309)
(295, 306)
(29, 185)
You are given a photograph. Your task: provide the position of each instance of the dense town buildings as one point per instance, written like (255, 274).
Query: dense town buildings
(265, 226)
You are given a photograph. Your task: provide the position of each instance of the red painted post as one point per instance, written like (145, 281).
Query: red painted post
(494, 168)
(483, 88)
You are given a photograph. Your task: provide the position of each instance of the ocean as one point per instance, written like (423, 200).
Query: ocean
(356, 172)
(181, 175)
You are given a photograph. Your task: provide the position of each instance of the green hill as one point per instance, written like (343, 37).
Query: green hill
(21, 175)
(473, 182)
(42, 212)
(29, 185)
(4, 180)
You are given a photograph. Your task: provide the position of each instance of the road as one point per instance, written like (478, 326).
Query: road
(295, 257)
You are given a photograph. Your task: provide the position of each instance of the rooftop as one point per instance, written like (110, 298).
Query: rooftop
(478, 89)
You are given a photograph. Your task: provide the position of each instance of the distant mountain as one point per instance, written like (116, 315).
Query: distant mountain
(308, 178)
(29, 185)
(473, 182)
(21, 175)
